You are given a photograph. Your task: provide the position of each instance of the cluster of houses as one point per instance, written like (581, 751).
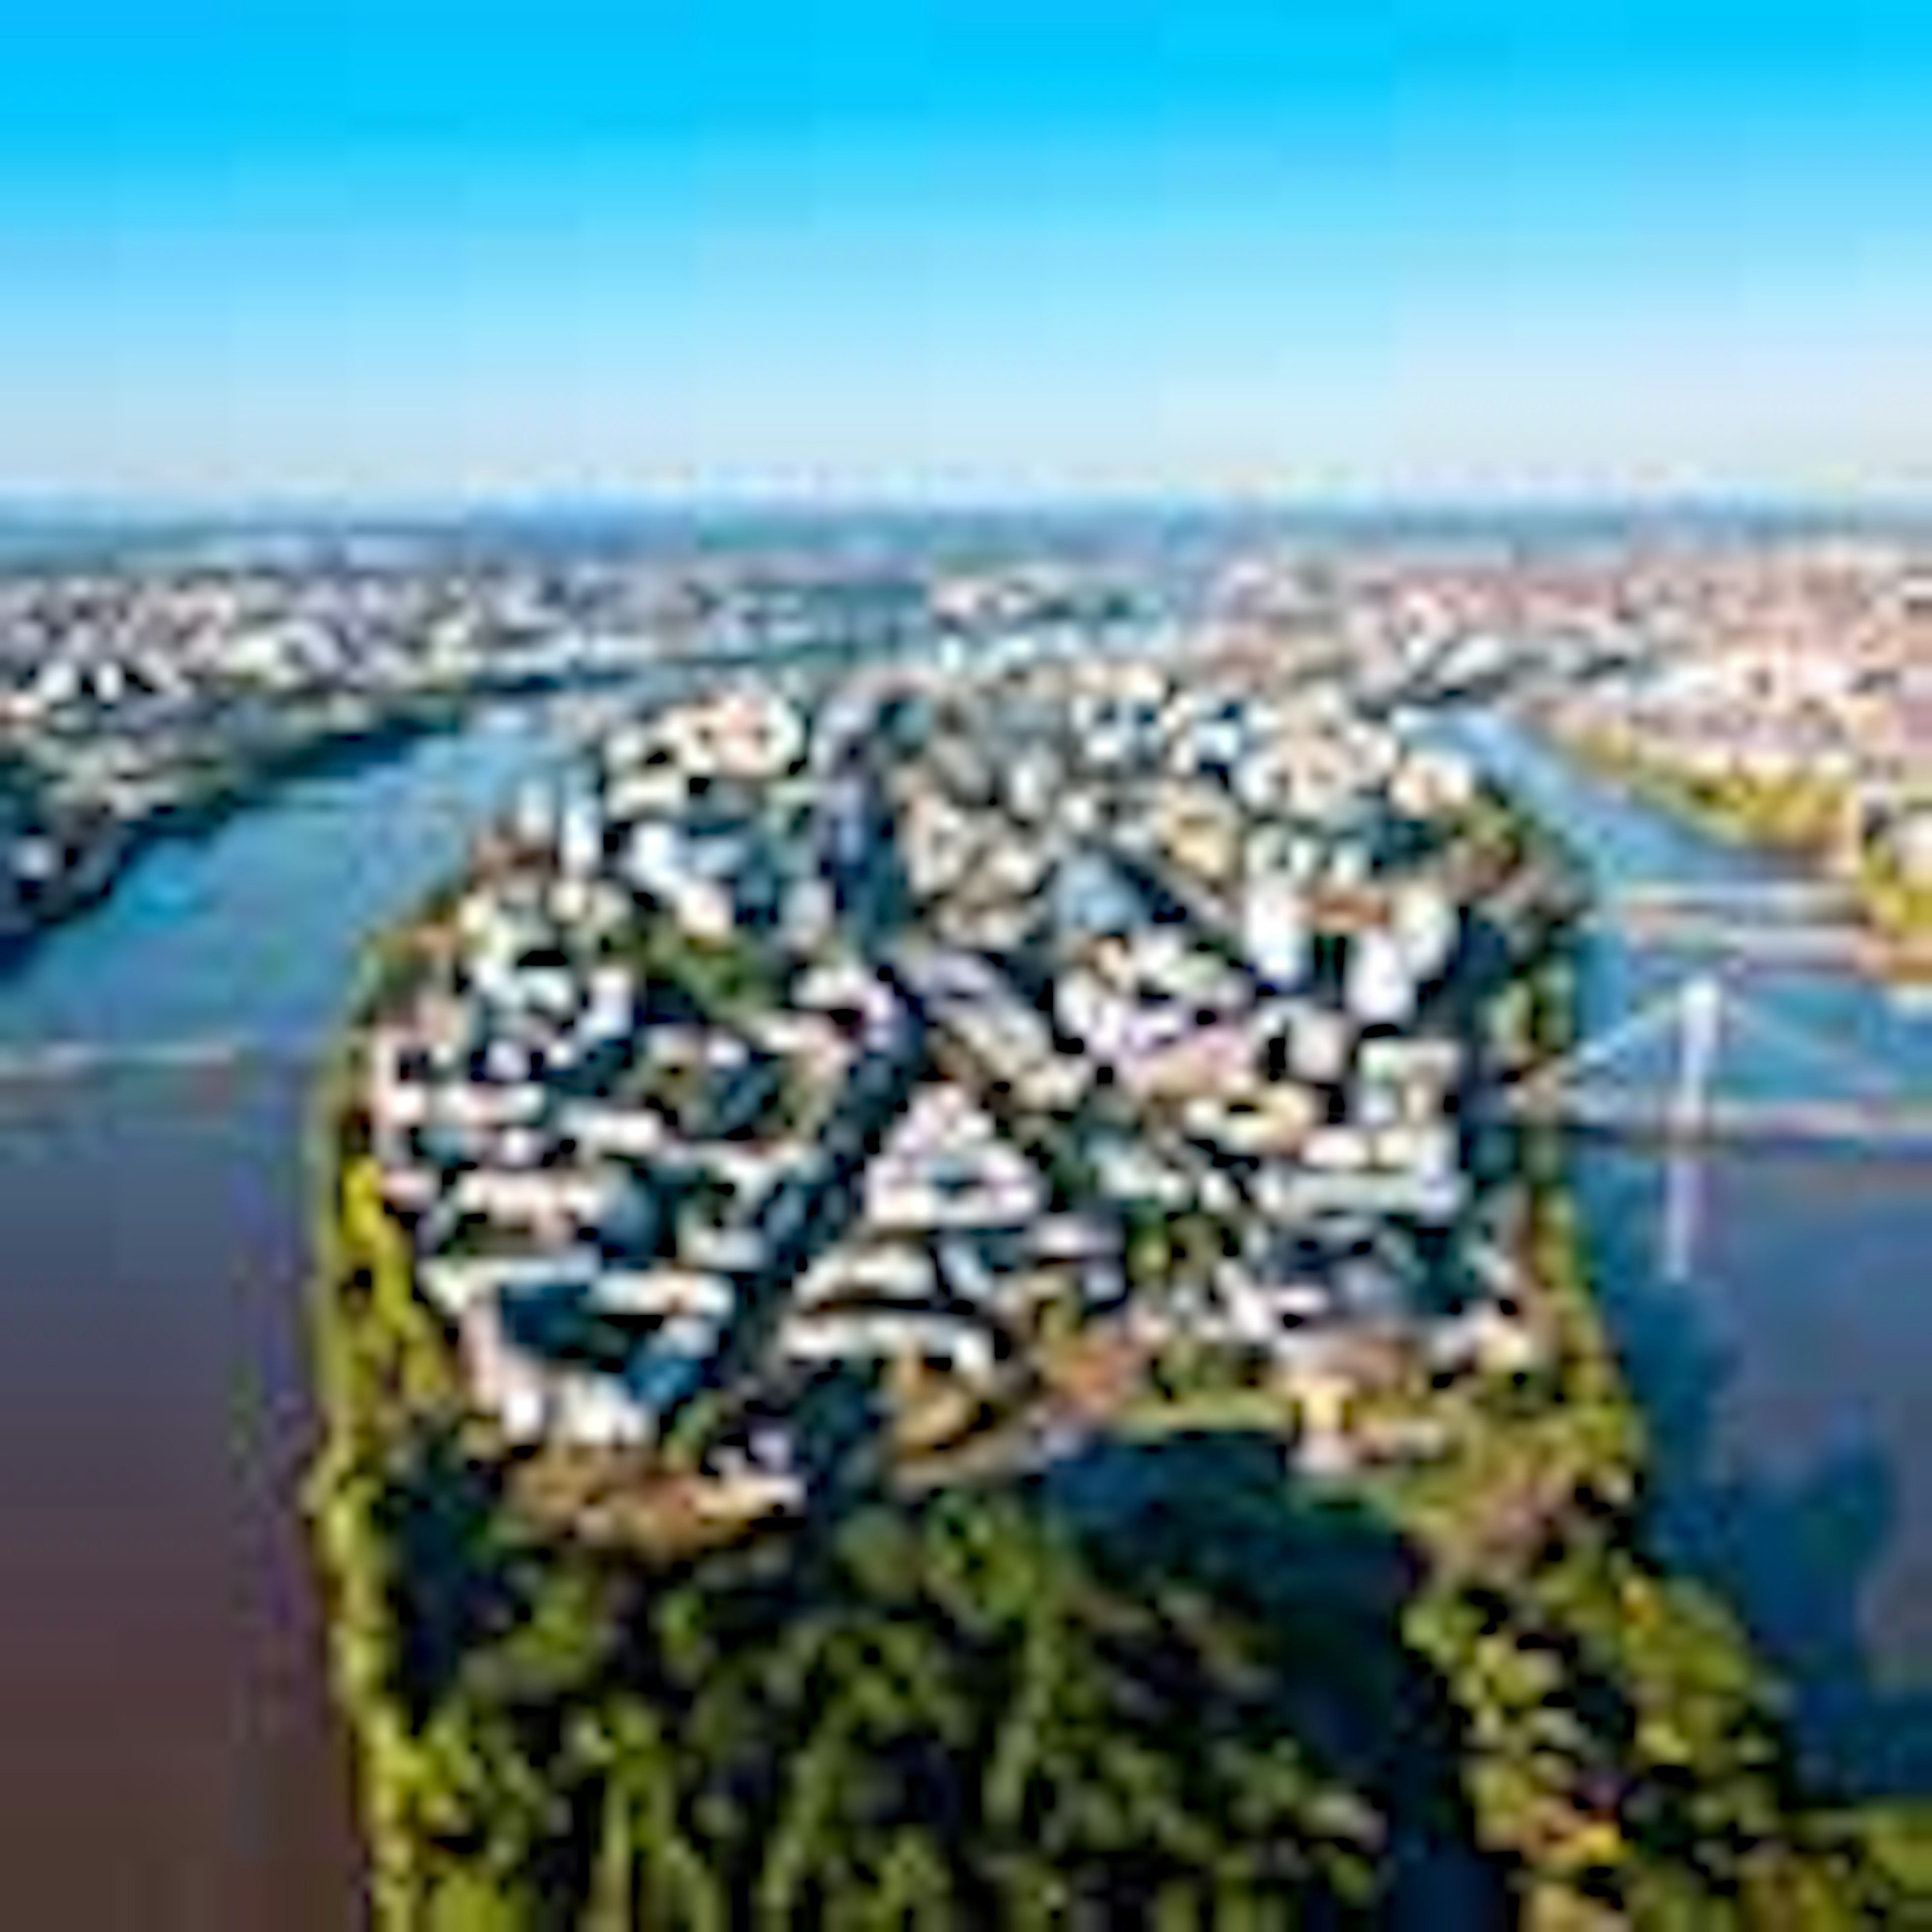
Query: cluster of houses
(870, 1033)
(1211, 943)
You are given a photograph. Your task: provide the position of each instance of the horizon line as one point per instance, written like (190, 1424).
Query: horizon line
(56, 508)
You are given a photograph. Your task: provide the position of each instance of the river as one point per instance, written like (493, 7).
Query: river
(167, 1758)
(1787, 1372)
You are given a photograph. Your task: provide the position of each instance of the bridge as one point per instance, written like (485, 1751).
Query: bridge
(1873, 1109)
(1777, 898)
(1798, 1121)
(69, 1062)
(1790, 922)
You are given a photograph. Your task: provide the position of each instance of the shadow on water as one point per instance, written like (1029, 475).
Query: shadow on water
(1796, 1552)
(1329, 1580)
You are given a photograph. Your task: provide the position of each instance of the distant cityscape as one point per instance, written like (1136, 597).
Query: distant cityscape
(148, 689)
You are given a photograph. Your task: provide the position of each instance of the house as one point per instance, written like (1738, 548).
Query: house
(457, 1284)
(667, 1292)
(1007, 1037)
(551, 1203)
(944, 1166)
(1485, 1339)
(1909, 836)
(603, 1131)
(1381, 981)
(1275, 932)
(942, 1340)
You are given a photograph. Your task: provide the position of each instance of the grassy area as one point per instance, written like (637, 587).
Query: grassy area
(1256, 1411)
(1899, 1836)
(1898, 907)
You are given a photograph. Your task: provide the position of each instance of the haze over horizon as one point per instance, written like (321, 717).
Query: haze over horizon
(979, 250)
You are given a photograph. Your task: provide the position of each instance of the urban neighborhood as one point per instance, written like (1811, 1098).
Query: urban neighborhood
(939, 1028)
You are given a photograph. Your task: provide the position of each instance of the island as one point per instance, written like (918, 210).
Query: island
(929, 1313)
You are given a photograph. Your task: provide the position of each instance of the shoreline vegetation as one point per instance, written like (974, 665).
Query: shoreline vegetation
(216, 790)
(1178, 1688)
(1798, 815)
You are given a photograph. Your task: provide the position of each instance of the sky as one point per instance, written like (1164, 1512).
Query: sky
(428, 250)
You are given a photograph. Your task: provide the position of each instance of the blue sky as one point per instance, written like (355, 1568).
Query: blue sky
(434, 248)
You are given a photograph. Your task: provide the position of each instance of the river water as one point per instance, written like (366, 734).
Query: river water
(167, 1759)
(1786, 1370)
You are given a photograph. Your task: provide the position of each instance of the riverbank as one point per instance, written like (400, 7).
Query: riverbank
(1543, 1579)
(208, 793)
(227, 780)
(1799, 816)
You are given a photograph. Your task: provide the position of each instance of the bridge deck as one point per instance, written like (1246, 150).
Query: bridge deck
(1847, 1123)
(1701, 929)
(60, 1062)
(1771, 896)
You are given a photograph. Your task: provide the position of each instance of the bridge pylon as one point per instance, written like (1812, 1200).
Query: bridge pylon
(1700, 1021)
